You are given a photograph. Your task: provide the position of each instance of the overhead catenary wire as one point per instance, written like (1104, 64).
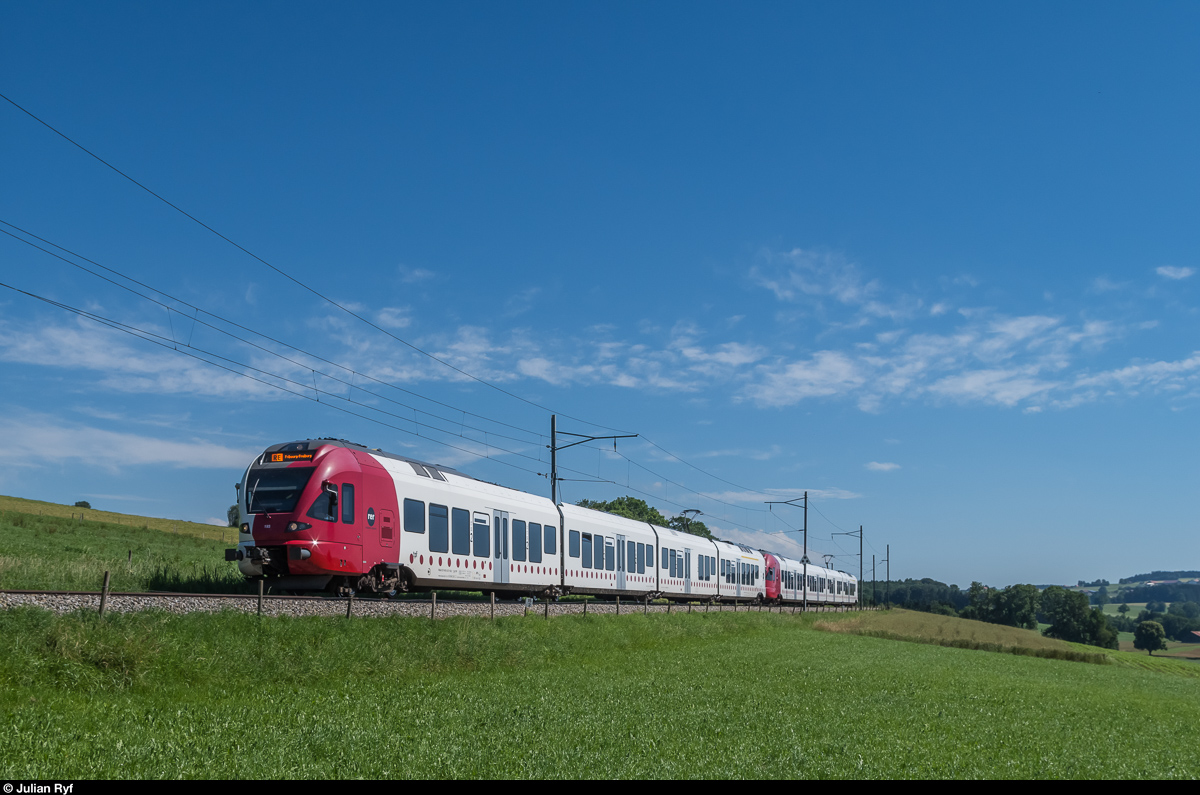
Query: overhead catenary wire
(348, 384)
(362, 319)
(194, 353)
(339, 306)
(291, 278)
(196, 309)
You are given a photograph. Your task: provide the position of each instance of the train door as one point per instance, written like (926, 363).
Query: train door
(500, 548)
(741, 572)
(621, 561)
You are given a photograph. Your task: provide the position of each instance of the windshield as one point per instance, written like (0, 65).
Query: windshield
(276, 490)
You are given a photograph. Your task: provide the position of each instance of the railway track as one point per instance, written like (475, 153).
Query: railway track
(282, 604)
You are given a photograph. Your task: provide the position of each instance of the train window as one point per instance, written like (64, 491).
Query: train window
(433, 473)
(598, 540)
(414, 516)
(420, 470)
(439, 528)
(323, 508)
(347, 503)
(665, 557)
(641, 558)
(630, 557)
(673, 567)
(518, 539)
(550, 547)
(461, 535)
(276, 490)
(587, 551)
(687, 566)
(483, 547)
(535, 542)
(573, 541)
(610, 556)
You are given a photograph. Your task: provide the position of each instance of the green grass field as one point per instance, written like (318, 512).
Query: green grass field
(713, 695)
(42, 547)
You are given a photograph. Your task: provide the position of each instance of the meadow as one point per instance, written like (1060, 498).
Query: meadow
(702, 695)
(717, 695)
(45, 546)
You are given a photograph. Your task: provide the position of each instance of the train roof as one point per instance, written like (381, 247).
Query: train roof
(313, 444)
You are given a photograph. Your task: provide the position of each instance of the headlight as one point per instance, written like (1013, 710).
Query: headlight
(294, 526)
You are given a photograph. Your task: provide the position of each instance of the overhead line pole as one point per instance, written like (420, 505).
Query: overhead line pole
(858, 595)
(803, 560)
(554, 448)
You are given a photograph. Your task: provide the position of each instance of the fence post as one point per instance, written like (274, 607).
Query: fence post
(646, 605)
(492, 613)
(618, 605)
(546, 607)
(260, 590)
(526, 601)
(433, 606)
(104, 594)
(349, 604)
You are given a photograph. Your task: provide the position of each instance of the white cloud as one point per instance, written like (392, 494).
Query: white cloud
(413, 275)
(393, 317)
(1173, 272)
(876, 466)
(38, 439)
(826, 373)
(124, 367)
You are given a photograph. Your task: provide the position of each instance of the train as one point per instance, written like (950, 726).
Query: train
(334, 516)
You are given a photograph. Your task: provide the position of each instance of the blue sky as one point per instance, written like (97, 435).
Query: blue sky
(934, 263)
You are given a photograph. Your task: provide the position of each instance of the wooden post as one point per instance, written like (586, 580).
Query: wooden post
(668, 607)
(104, 594)
(689, 607)
(546, 608)
(260, 590)
(433, 607)
(525, 599)
(129, 560)
(618, 605)
(350, 604)
(585, 607)
(646, 605)
(492, 613)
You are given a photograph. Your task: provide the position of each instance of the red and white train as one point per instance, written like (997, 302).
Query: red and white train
(326, 514)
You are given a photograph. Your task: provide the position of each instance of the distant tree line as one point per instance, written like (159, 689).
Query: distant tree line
(925, 594)
(1178, 621)
(1158, 575)
(1174, 592)
(1067, 612)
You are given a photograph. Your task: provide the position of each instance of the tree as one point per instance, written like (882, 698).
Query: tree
(640, 511)
(83, 504)
(1070, 618)
(1101, 597)
(1123, 609)
(1149, 636)
(234, 515)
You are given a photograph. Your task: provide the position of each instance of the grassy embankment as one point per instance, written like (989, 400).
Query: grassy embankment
(42, 547)
(703, 695)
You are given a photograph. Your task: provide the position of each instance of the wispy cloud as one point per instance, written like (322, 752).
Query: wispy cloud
(876, 466)
(1173, 272)
(34, 440)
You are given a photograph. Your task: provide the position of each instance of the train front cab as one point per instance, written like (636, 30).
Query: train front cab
(317, 518)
